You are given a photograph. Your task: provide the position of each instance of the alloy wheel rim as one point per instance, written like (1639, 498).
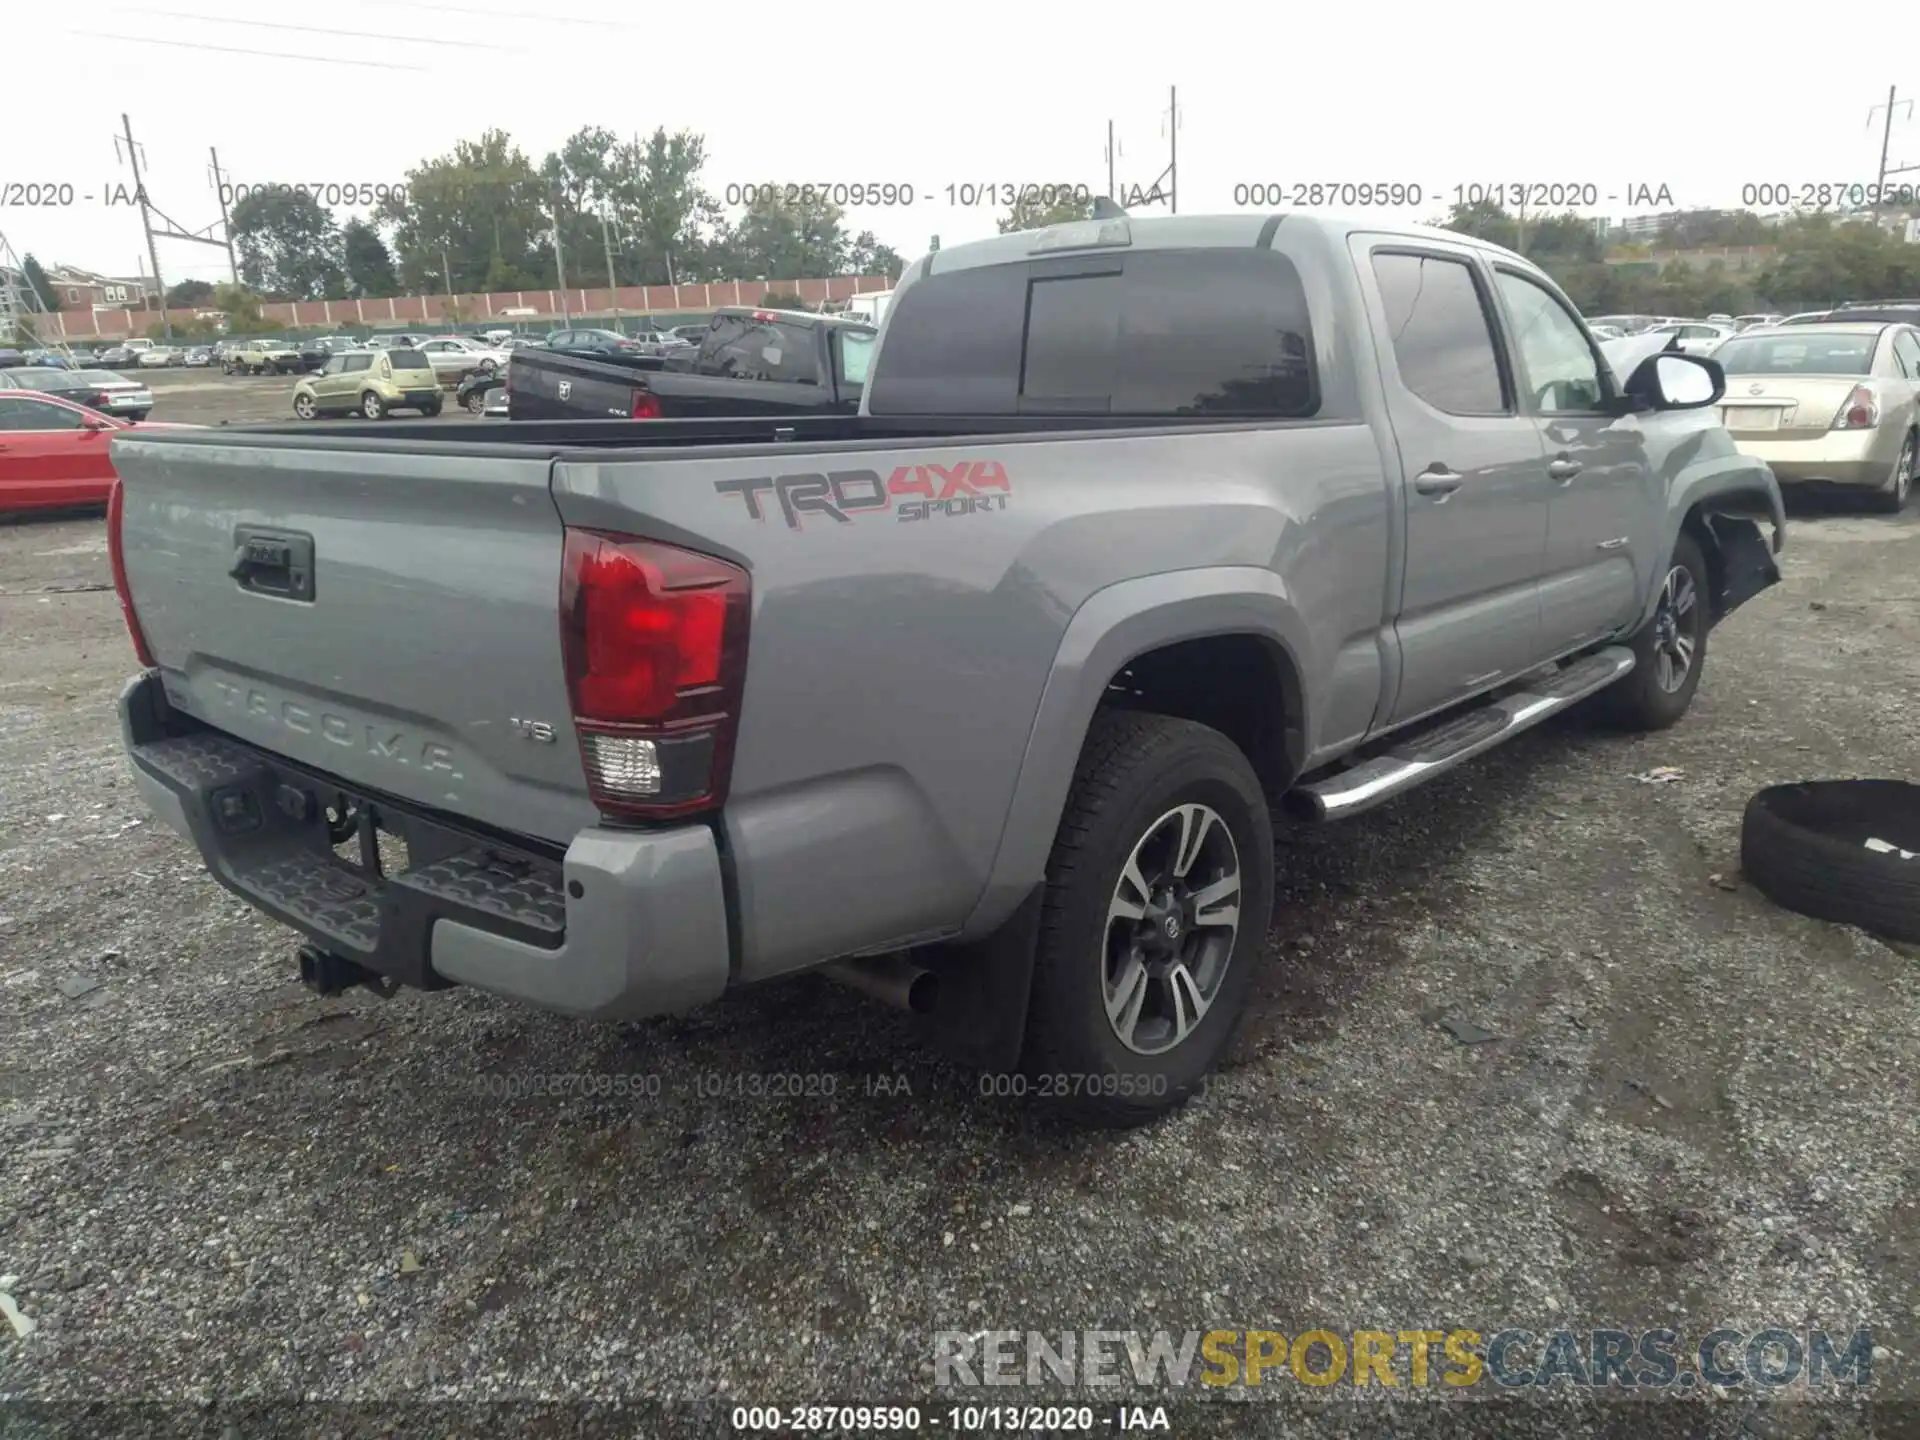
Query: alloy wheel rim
(1170, 929)
(1903, 473)
(1676, 630)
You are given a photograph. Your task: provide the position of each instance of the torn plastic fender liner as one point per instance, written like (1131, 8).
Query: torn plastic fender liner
(1748, 566)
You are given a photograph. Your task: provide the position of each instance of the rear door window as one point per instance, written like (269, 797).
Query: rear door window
(1442, 333)
(1161, 333)
(409, 359)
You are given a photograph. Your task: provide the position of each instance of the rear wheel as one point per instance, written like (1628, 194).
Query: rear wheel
(432, 410)
(1893, 499)
(304, 407)
(372, 406)
(1158, 893)
(477, 402)
(1669, 651)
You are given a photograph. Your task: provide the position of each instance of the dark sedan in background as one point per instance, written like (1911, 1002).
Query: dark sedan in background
(100, 390)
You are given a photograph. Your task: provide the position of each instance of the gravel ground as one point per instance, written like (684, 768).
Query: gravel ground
(1696, 1109)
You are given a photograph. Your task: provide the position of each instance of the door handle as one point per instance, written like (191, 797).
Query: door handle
(1564, 469)
(1437, 481)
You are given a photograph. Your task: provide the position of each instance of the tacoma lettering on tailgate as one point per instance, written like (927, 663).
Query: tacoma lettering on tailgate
(912, 492)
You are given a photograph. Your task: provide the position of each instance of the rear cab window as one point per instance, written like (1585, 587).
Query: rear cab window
(740, 347)
(1213, 332)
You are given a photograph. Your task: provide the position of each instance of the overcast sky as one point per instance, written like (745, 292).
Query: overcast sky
(987, 93)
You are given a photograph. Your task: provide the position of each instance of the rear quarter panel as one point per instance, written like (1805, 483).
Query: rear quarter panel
(897, 664)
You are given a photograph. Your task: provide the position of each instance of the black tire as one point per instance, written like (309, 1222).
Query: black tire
(1643, 700)
(1893, 499)
(305, 408)
(138, 415)
(372, 406)
(1804, 847)
(1134, 771)
(432, 410)
(477, 402)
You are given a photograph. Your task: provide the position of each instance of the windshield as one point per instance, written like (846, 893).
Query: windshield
(406, 359)
(33, 379)
(1797, 354)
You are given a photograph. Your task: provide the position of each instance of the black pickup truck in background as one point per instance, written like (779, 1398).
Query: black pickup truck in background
(750, 362)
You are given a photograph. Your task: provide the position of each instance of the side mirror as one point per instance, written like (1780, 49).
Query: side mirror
(1675, 381)
(96, 426)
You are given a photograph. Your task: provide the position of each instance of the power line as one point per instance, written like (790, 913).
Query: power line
(234, 50)
(329, 30)
(473, 14)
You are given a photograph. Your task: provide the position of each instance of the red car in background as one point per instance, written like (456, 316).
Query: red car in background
(53, 453)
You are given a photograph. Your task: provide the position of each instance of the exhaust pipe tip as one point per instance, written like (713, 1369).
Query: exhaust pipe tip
(923, 993)
(890, 979)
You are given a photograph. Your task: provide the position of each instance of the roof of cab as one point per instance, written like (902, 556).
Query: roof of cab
(1182, 232)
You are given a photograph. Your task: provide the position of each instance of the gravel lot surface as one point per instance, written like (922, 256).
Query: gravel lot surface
(1696, 1109)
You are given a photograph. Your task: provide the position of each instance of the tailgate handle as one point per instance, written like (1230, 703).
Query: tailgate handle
(277, 563)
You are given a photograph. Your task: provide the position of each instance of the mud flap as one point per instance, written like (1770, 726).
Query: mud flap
(980, 1021)
(1747, 563)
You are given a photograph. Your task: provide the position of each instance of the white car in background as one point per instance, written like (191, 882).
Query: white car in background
(1697, 337)
(157, 357)
(454, 357)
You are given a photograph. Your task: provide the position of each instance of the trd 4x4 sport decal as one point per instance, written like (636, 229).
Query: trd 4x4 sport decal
(969, 487)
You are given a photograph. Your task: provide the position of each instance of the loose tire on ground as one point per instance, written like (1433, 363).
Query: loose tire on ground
(1645, 699)
(1804, 847)
(1135, 772)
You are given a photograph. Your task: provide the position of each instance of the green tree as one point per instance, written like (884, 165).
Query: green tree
(867, 256)
(188, 293)
(483, 203)
(289, 245)
(241, 306)
(366, 262)
(783, 300)
(668, 227)
(580, 180)
(36, 278)
(1034, 209)
(778, 239)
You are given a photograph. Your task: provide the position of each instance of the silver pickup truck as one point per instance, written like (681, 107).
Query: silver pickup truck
(982, 698)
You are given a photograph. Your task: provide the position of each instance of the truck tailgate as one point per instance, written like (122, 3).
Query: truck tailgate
(431, 628)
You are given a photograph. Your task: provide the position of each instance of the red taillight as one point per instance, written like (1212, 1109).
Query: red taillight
(116, 505)
(1861, 412)
(766, 315)
(655, 639)
(646, 405)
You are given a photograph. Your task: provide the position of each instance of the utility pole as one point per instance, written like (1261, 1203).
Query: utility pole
(613, 283)
(446, 277)
(1173, 151)
(560, 262)
(1886, 136)
(226, 225)
(146, 224)
(1110, 195)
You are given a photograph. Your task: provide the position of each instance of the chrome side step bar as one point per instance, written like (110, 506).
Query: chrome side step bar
(1420, 756)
